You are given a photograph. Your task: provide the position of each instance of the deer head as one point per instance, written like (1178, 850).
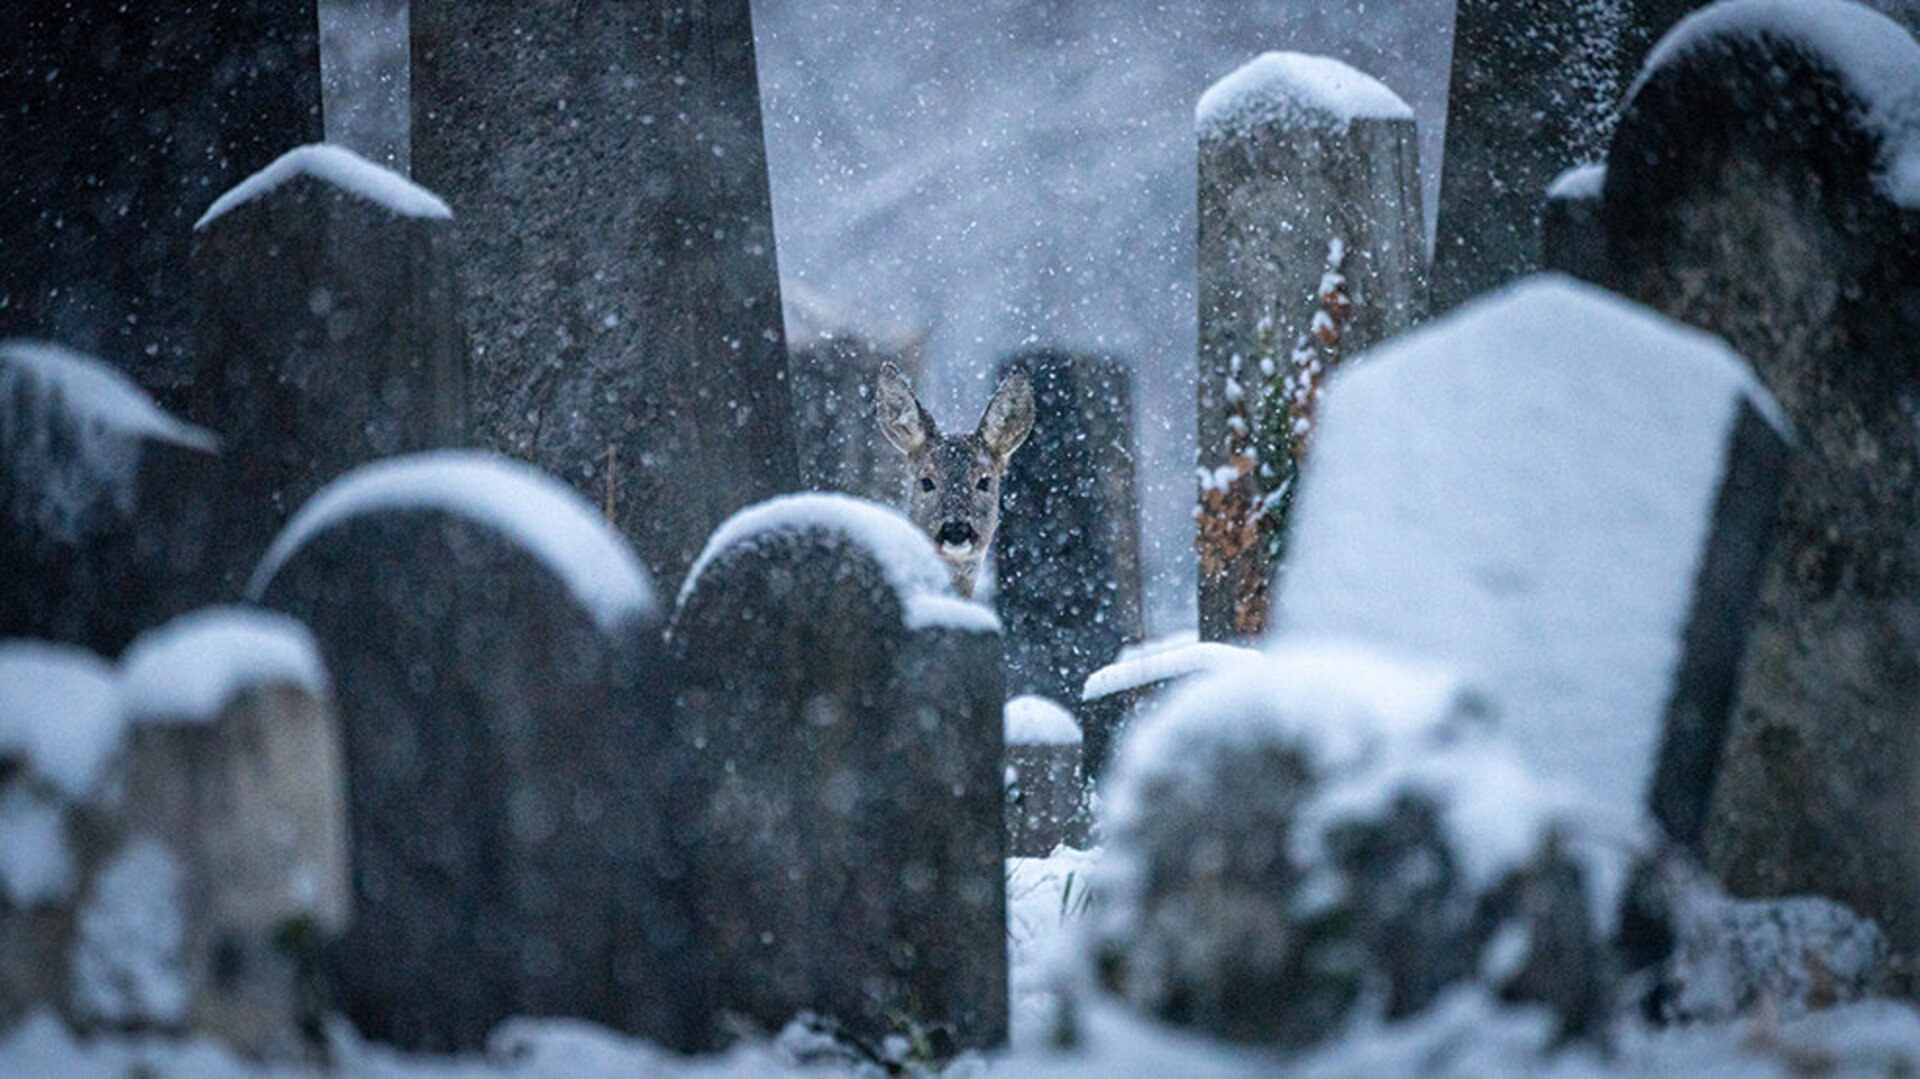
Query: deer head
(953, 492)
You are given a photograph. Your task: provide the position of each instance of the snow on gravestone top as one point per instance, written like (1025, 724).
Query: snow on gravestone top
(515, 499)
(903, 553)
(337, 167)
(1526, 489)
(1876, 58)
(1579, 182)
(61, 713)
(1144, 666)
(1037, 721)
(1295, 90)
(51, 397)
(191, 668)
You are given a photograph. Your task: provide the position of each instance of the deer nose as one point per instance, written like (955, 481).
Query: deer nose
(954, 534)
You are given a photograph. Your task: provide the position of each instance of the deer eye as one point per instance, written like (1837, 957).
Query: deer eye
(985, 482)
(926, 484)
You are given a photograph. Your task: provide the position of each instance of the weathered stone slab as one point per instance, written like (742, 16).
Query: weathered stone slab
(1310, 248)
(1067, 562)
(839, 741)
(324, 331)
(616, 252)
(1573, 239)
(121, 121)
(494, 648)
(835, 360)
(1571, 495)
(106, 502)
(1756, 187)
(1046, 790)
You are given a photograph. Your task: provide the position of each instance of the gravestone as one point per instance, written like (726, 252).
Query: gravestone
(1067, 560)
(493, 647)
(122, 120)
(1573, 239)
(1046, 792)
(839, 743)
(1310, 247)
(107, 503)
(1535, 89)
(324, 330)
(234, 768)
(1573, 496)
(1757, 187)
(836, 356)
(1121, 691)
(616, 253)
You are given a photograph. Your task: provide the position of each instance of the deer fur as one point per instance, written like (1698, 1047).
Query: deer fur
(953, 481)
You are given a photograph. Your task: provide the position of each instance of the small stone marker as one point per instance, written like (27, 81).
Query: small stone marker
(1572, 495)
(839, 742)
(836, 355)
(324, 326)
(1573, 239)
(106, 502)
(492, 644)
(1310, 246)
(1046, 793)
(1116, 694)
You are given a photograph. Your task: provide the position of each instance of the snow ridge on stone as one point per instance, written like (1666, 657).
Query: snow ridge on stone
(341, 168)
(192, 667)
(61, 713)
(1036, 721)
(1295, 89)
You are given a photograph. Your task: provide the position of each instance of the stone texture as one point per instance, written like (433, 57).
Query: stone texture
(1046, 787)
(495, 651)
(835, 359)
(616, 252)
(1573, 239)
(123, 121)
(838, 739)
(325, 336)
(1742, 195)
(1067, 561)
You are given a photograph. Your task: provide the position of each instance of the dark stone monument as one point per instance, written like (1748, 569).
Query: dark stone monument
(1573, 239)
(1310, 246)
(324, 331)
(107, 503)
(839, 739)
(836, 355)
(1535, 89)
(1752, 189)
(1046, 791)
(616, 252)
(121, 122)
(1067, 560)
(494, 647)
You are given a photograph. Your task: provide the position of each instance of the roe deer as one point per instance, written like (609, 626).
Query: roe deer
(954, 480)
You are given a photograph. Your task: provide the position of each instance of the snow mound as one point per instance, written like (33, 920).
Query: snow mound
(36, 867)
(59, 712)
(1525, 489)
(1579, 182)
(1876, 58)
(341, 168)
(904, 555)
(1295, 90)
(515, 499)
(193, 667)
(129, 962)
(1037, 721)
(1143, 667)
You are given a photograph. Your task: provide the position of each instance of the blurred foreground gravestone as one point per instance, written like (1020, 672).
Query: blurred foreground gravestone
(1046, 793)
(107, 503)
(616, 253)
(494, 646)
(1760, 186)
(1067, 560)
(839, 738)
(836, 356)
(1310, 248)
(1328, 831)
(121, 121)
(1534, 91)
(1572, 495)
(325, 334)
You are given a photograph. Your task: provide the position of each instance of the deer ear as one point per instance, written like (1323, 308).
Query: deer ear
(1009, 416)
(905, 423)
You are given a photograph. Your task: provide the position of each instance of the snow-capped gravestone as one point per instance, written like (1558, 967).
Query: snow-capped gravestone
(1046, 794)
(1122, 690)
(1572, 496)
(1333, 831)
(324, 332)
(836, 355)
(1572, 238)
(234, 772)
(1535, 88)
(838, 738)
(493, 646)
(1762, 184)
(616, 253)
(121, 121)
(1310, 247)
(1067, 556)
(106, 502)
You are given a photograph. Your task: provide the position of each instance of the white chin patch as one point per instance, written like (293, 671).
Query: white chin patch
(956, 550)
